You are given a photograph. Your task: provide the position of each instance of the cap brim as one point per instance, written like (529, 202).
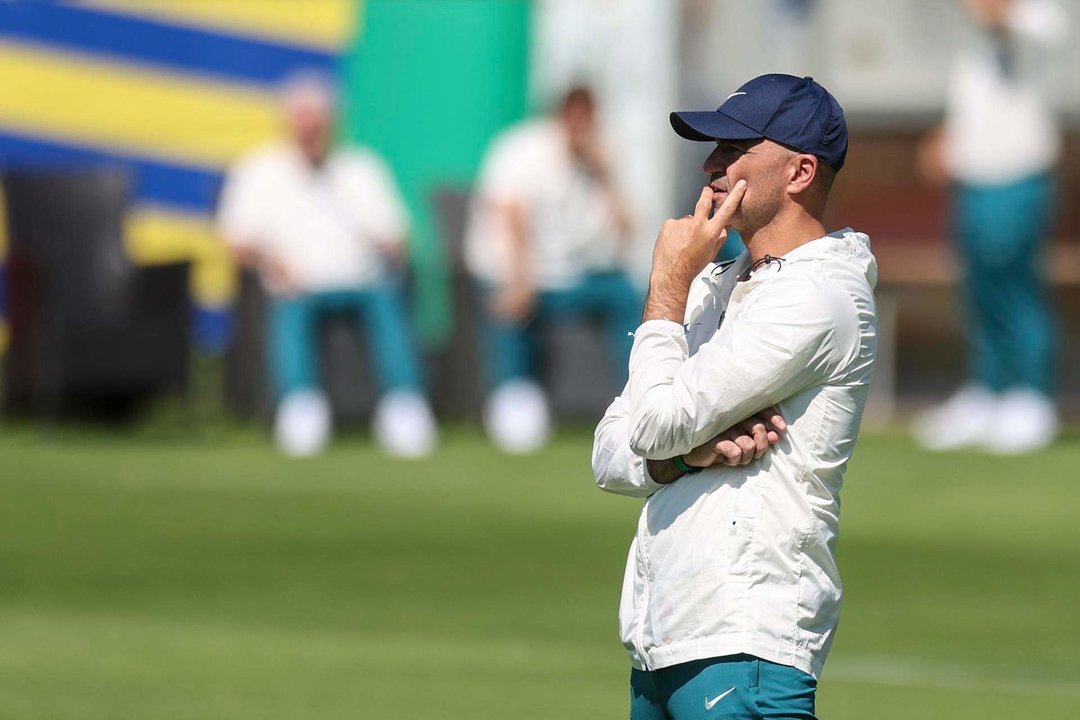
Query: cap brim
(711, 125)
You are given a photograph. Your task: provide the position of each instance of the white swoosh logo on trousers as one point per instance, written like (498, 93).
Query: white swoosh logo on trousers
(733, 95)
(709, 703)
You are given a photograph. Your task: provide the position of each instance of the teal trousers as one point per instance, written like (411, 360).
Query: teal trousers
(733, 687)
(511, 347)
(1001, 232)
(381, 314)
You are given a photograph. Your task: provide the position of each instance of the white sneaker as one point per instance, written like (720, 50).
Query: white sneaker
(961, 421)
(1024, 421)
(404, 425)
(302, 423)
(517, 418)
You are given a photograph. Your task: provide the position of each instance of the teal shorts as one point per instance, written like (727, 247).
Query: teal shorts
(729, 687)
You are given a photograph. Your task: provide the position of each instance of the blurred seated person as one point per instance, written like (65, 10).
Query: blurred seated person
(325, 229)
(547, 237)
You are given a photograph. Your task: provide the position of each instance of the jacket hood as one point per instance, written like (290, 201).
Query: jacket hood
(845, 250)
(846, 247)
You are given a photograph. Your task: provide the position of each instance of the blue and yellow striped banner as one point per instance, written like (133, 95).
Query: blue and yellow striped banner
(325, 24)
(163, 116)
(193, 188)
(171, 90)
(137, 35)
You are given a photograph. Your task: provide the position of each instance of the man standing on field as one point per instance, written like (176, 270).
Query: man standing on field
(731, 595)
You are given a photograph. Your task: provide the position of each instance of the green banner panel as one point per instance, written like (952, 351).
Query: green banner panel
(429, 83)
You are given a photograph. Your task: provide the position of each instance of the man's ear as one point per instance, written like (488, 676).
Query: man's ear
(804, 168)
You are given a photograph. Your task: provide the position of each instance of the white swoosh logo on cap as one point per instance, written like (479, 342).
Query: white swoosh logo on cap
(733, 95)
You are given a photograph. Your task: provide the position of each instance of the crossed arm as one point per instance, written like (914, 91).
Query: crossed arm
(619, 470)
(740, 444)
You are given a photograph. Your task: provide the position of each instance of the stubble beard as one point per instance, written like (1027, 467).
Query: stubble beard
(749, 218)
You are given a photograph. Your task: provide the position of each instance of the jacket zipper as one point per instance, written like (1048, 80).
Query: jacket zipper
(646, 594)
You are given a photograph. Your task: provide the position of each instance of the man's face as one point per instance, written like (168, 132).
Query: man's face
(988, 12)
(312, 128)
(762, 164)
(579, 119)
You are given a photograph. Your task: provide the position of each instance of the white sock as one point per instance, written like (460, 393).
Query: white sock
(302, 424)
(517, 418)
(404, 424)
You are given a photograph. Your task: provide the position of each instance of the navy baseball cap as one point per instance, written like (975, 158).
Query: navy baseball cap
(793, 111)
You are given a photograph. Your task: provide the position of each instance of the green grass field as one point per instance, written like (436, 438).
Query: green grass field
(145, 579)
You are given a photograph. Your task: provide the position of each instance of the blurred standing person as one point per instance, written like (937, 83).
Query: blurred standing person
(548, 235)
(325, 228)
(998, 147)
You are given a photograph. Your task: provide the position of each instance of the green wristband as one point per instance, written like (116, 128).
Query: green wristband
(682, 467)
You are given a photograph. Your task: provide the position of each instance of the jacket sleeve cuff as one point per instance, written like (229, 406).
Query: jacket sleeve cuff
(661, 326)
(647, 481)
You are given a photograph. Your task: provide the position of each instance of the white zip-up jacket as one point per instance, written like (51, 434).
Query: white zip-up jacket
(741, 559)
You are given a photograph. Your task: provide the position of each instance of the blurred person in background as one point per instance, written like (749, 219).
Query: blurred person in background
(997, 147)
(325, 229)
(548, 238)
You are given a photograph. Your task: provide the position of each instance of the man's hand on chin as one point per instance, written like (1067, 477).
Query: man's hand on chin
(683, 249)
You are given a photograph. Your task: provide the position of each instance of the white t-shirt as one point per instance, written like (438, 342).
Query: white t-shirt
(325, 225)
(569, 217)
(1000, 124)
